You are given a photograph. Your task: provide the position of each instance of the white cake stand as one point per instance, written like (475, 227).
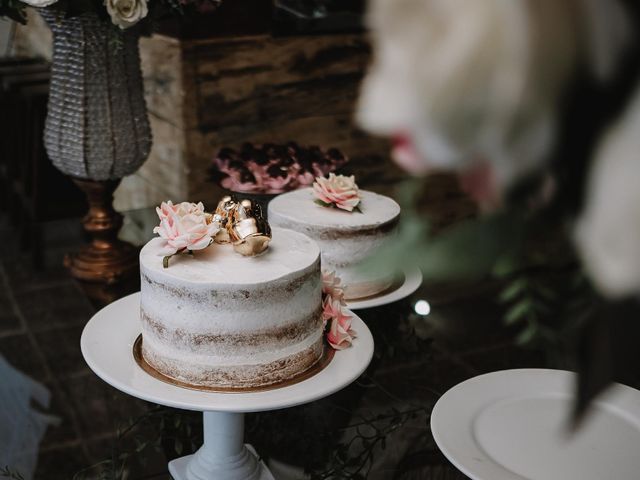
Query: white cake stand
(412, 280)
(107, 346)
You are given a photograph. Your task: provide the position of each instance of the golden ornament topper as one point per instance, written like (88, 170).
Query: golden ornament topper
(222, 215)
(243, 225)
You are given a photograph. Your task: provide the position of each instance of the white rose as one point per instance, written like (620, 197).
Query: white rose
(126, 13)
(39, 3)
(608, 231)
(462, 81)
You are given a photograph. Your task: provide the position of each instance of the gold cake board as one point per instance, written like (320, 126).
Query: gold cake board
(327, 355)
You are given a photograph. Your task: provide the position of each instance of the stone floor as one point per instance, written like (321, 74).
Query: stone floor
(42, 314)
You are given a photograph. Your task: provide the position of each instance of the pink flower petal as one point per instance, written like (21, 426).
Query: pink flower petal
(337, 190)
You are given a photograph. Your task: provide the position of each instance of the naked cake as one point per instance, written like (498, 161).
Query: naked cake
(346, 237)
(220, 319)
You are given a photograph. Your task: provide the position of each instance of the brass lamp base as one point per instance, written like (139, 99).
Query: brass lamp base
(108, 266)
(106, 260)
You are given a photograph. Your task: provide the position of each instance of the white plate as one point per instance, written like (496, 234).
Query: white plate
(107, 347)
(412, 280)
(512, 425)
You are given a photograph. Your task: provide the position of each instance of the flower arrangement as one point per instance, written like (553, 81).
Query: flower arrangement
(337, 191)
(122, 13)
(271, 168)
(186, 227)
(337, 323)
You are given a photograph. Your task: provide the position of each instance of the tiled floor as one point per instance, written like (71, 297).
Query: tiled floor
(42, 314)
(417, 359)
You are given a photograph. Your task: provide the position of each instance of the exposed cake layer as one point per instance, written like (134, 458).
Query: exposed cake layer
(214, 371)
(346, 239)
(218, 318)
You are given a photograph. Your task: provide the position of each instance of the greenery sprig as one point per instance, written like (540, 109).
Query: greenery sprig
(157, 429)
(353, 458)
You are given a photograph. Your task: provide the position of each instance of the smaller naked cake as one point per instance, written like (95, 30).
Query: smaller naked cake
(346, 238)
(218, 310)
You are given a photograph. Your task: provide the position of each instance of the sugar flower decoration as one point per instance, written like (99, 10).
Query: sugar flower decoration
(337, 191)
(184, 227)
(332, 286)
(337, 323)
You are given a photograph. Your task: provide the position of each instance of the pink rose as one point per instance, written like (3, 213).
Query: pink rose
(305, 179)
(167, 208)
(340, 334)
(258, 171)
(277, 184)
(235, 185)
(337, 190)
(332, 287)
(222, 164)
(184, 227)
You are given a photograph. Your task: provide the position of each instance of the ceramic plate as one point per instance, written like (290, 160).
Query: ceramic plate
(513, 425)
(107, 345)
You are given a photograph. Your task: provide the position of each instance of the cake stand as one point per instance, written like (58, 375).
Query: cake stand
(411, 282)
(107, 346)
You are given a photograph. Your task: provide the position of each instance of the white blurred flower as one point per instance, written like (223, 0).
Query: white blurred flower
(608, 231)
(39, 3)
(126, 13)
(462, 82)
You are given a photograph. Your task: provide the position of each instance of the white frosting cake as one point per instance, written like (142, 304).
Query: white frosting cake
(224, 320)
(345, 238)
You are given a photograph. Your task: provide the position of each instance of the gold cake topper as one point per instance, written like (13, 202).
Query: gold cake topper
(243, 225)
(222, 215)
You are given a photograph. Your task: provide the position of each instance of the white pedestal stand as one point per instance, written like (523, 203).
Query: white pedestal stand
(223, 454)
(107, 346)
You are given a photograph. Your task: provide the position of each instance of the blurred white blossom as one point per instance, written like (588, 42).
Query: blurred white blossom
(462, 82)
(608, 231)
